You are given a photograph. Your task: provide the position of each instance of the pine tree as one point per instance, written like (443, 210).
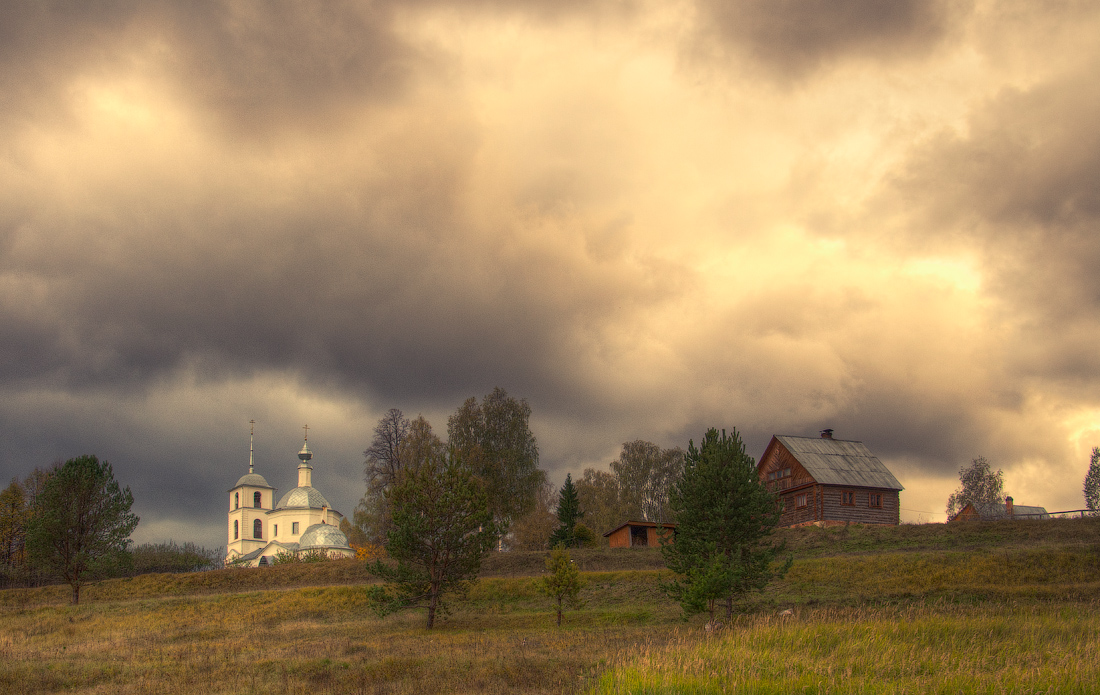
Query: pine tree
(569, 514)
(441, 529)
(724, 516)
(1092, 482)
(564, 583)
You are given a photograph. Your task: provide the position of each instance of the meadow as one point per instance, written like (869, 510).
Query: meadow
(985, 608)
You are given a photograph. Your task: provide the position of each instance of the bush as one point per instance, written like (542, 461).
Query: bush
(171, 557)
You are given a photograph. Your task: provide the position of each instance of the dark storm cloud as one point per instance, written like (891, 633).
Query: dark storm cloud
(403, 299)
(792, 38)
(253, 65)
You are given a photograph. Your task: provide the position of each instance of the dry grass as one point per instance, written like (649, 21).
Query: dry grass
(896, 621)
(315, 640)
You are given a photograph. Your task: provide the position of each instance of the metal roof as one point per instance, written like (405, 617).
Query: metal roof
(252, 479)
(305, 496)
(999, 512)
(840, 462)
(323, 536)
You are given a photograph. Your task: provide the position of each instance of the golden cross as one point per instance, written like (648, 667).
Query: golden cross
(306, 428)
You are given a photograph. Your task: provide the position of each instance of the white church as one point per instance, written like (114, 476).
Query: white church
(302, 521)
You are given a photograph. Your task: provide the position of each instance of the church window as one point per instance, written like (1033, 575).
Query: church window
(236, 500)
(294, 528)
(257, 529)
(255, 499)
(276, 531)
(236, 530)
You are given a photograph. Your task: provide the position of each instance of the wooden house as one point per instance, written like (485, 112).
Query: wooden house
(1000, 512)
(827, 482)
(639, 534)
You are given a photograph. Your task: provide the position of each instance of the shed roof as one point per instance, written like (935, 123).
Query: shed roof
(839, 462)
(999, 512)
(642, 524)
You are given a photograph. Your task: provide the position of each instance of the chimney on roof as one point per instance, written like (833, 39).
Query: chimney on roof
(826, 434)
(1008, 505)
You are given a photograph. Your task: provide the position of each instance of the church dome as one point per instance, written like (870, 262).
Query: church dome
(253, 479)
(323, 536)
(303, 497)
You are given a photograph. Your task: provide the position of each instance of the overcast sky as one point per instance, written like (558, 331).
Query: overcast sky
(645, 217)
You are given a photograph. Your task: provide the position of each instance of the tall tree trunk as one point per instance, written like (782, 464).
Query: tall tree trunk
(559, 611)
(76, 593)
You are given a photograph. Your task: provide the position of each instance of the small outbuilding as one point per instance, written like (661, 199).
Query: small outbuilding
(827, 482)
(1000, 512)
(640, 534)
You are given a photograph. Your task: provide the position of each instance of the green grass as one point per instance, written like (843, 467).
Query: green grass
(913, 649)
(974, 608)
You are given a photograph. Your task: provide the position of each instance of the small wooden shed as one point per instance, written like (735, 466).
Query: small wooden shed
(640, 534)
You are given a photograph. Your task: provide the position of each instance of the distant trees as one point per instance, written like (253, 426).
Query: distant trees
(980, 486)
(636, 487)
(602, 502)
(645, 474)
(1092, 482)
(399, 445)
(441, 527)
(383, 459)
(724, 516)
(81, 523)
(532, 530)
(495, 439)
(14, 512)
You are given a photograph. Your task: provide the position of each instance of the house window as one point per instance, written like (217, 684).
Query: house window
(236, 530)
(255, 499)
(874, 499)
(848, 498)
(236, 500)
(800, 501)
(294, 528)
(257, 529)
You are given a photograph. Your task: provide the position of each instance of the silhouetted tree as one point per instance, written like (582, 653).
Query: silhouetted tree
(980, 487)
(1092, 482)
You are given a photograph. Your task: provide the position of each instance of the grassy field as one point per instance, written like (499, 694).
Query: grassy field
(980, 608)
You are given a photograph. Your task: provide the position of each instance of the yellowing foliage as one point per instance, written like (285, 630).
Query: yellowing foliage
(369, 552)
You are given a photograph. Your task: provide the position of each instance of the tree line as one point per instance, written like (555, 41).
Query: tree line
(71, 522)
(437, 507)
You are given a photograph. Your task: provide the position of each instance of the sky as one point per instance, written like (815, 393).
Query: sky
(645, 217)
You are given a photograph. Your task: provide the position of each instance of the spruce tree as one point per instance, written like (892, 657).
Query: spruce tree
(442, 528)
(724, 516)
(569, 513)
